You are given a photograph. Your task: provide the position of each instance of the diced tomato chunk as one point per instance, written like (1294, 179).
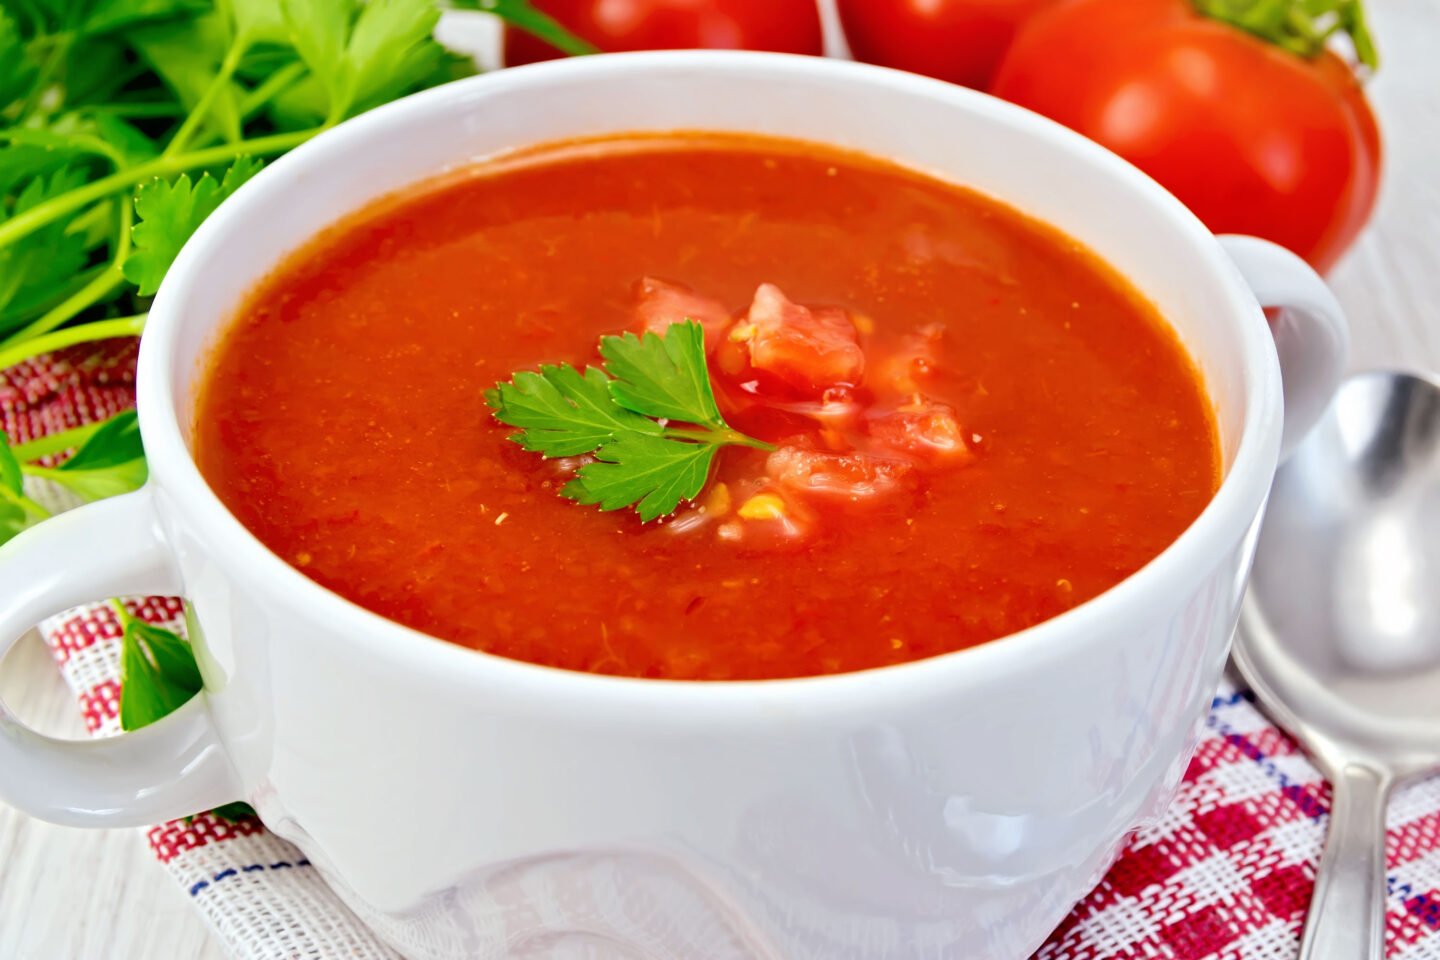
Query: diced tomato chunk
(853, 476)
(922, 428)
(809, 348)
(907, 368)
(659, 303)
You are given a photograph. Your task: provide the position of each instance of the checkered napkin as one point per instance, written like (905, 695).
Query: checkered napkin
(1226, 874)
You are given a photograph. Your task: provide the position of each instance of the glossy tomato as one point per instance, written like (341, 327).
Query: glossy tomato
(957, 40)
(786, 26)
(1252, 137)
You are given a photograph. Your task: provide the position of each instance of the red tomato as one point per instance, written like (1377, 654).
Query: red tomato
(849, 476)
(922, 429)
(658, 304)
(786, 26)
(957, 40)
(809, 349)
(1253, 138)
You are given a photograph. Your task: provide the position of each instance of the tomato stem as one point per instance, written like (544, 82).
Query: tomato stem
(1302, 27)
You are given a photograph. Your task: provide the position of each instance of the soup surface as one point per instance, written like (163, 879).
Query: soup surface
(978, 424)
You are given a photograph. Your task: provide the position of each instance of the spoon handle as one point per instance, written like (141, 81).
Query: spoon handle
(1347, 910)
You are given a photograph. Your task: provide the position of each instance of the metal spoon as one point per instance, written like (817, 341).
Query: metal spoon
(1340, 633)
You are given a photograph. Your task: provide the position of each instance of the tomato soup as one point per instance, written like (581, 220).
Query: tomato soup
(976, 424)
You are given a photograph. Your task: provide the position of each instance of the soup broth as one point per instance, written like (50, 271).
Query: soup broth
(978, 424)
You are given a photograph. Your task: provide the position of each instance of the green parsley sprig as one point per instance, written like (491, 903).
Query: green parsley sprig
(158, 669)
(109, 460)
(625, 415)
(123, 125)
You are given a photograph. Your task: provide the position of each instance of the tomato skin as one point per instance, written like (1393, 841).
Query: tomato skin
(961, 41)
(1250, 137)
(784, 26)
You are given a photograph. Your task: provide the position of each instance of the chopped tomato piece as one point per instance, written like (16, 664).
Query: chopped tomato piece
(809, 348)
(905, 370)
(659, 303)
(922, 428)
(854, 476)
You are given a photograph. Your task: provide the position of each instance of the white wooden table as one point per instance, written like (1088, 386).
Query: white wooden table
(82, 895)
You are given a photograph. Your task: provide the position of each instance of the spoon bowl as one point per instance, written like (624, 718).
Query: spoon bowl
(1339, 635)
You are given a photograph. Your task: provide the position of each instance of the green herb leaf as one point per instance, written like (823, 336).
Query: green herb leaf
(652, 473)
(17, 511)
(663, 376)
(258, 21)
(169, 213)
(110, 462)
(234, 812)
(13, 518)
(523, 15)
(11, 478)
(53, 254)
(129, 144)
(319, 30)
(391, 46)
(116, 442)
(56, 443)
(17, 70)
(363, 53)
(23, 162)
(563, 413)
(99, 483)
(107, 16)
(607, 413)
(187, 56)
(92, 71)
(158, 674)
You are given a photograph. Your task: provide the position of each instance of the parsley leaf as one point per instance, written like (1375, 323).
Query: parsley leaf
(523, 15)
(113, 108)
(258, 21)
(663, 376)
(640, 461)
(563, 412)
(111, 15)
(54, 254)
(157, 673)
(390, 45)
(17, 511)
(364, 52)
(169, 213)
(652, 473)
(21, 162)
(234, 811)
(11, 478)
(130, 145)
(17, 70)
(110, 462)
(318, 31)
(116, 442)
(13, 518)
(187, 56)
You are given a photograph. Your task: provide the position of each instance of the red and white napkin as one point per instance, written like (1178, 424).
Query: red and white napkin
(1226, 874)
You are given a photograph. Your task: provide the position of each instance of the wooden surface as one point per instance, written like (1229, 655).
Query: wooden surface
(81, 895)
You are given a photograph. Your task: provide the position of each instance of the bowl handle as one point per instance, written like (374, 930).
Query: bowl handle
(1312, 336)
(172, 768)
